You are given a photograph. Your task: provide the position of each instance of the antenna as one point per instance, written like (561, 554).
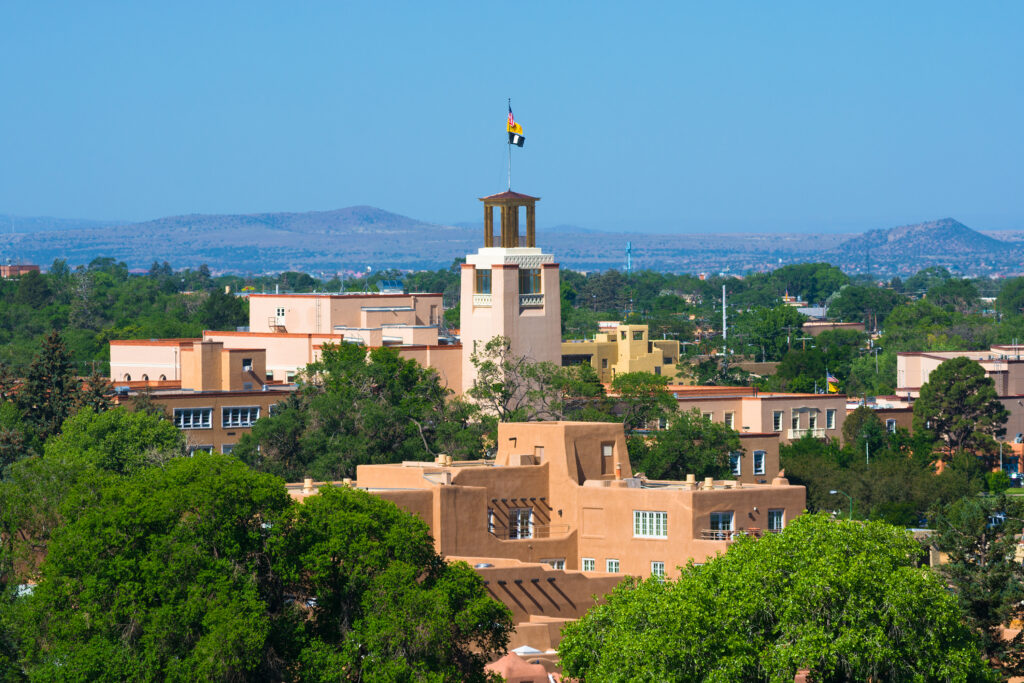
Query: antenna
(725, 327)
(629, 258)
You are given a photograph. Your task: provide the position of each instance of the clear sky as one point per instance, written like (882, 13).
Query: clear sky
(675, 117)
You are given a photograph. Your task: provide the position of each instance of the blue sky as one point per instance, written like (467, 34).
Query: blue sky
(671, 117)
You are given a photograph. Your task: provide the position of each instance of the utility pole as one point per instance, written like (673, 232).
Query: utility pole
(725, 328)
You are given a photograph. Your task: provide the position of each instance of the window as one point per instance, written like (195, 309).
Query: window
(483, 281)
(812, 420)
(490, 520)
(529, 281)
(247, 365)
(777, 421)
(604, 363)
(776, 520)
(658, 569)
(758, 462)
(657, 369)
(227, 448)
(721, 525)
(708, 416)
(662, 423)
(890, 426)
(736, 463)
(607, 449)
(280, 312)
(588, 564)
(555, 563)
(830, 419)
(242, 416)
(648, 524)
(730, 420)
(200, 449)
(796, 420)
(145, 378)
(667, 360)
(638, 335)
(611, 566)
(520, 523)
(193, 418)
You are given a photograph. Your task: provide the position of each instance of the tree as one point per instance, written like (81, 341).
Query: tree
(50, 391)
(770, 330)
(359, 407)
(846, 600)
(204, 569)
(221, 311)
(959, 407)
(117, 441)
(642, 399)
(980, 537)
(1010, 301)
(692, 444)
(511, 387)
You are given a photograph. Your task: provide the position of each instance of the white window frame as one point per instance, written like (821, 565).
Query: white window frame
(777, 417)
(650, 524)
(794, 420)
(588, 564)
(708, 416)
(759, 457)
(812, 420)
(717, 523)
(611, 566)
(890, 426)
(607, 450)
(205, 448)
(736, 463)
(776, 514)
(516, 527)
(204, 421)
(226, 448)
(232, 417)
(730, 420)
(658, 569)
(555, 562)
(830, 418)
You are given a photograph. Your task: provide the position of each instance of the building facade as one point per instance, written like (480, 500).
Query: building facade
(624, 348)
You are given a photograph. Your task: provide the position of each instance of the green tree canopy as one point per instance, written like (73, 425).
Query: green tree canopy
(959, 407)
(846, 600)
(203, 569)
(117, 440)
(691, 444)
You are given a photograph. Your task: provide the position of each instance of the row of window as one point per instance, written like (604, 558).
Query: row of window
(529, 281)
(812, 419)
(208, 448)
(202, 418)
(736, 459)
(611, 565)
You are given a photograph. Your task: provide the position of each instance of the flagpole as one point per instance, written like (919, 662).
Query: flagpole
(510, 152)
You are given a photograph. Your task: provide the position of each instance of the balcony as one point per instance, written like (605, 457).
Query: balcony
(732, 535)
(531, 300)
(481, 299)
(523, 533)
(816, 432)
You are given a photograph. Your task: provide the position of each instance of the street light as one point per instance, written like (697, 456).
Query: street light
(835, 491)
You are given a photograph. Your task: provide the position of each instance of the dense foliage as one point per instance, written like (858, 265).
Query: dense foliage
(848, 601)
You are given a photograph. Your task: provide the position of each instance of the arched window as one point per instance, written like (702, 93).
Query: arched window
(127, 377)
(163, 378)
(145, 378)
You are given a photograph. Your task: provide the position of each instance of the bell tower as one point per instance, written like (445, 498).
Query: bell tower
(510, 288)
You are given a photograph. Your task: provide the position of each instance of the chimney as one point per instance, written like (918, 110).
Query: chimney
(307, 485)
(690, 483)
(347, 481)
(618, 470)
(709, 483)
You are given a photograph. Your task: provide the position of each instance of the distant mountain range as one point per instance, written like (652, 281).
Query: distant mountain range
(357, 237)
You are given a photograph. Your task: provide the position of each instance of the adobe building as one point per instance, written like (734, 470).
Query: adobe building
(559, 517)
(510, 288)
(623, 348)
(1003, 363)
(220, 394)
(12, 270)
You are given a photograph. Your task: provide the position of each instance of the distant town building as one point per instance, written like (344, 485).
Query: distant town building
(17, 269)
(620, 348)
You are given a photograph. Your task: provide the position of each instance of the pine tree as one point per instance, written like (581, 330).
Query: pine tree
(51, 390)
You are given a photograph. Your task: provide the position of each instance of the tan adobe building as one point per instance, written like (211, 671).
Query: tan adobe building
(510, 288)
(624, 348)
(745, 409)
(400, 318)
(1002, 363)
(816, 327)
(221, 393)
(558, 517)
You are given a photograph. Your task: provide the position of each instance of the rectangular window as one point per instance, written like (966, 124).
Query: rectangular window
(623, 334)
(483, 281)
(658, 569)
(657, 369)
(280, 312)
(604, 363)
(520, 523)
(555, 563)
(708, 416)
(812, 420)
(890, 426)
(796, 420)
(638, 335)
(830, 419)
(721, 525)
(529, 281)
(777, 421)
(607, 449)
(667, 360)
(648, 524)
(200, 449)
(240, 416)
(730, 420)
(611, 566)
(490, 520)
(227, 448)
(247, 365)
(588, 564)
(759, 462)
(736, 463)
(193, 418)
(662, 423)
(776, 520)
